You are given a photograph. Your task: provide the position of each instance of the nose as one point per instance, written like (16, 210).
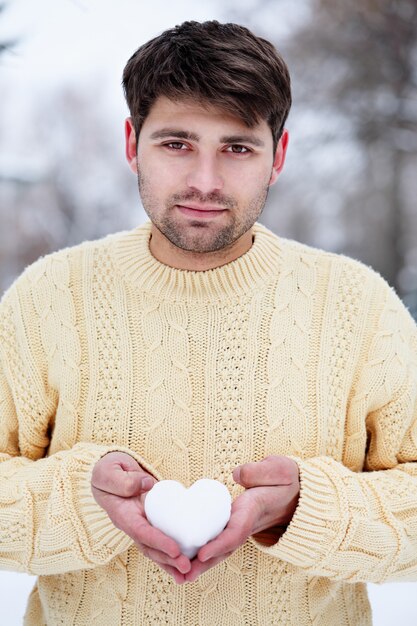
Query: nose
(204, 175)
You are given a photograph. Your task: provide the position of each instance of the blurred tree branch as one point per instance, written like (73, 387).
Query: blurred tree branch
(359, 59)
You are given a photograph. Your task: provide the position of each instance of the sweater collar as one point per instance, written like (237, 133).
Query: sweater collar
(139, 267)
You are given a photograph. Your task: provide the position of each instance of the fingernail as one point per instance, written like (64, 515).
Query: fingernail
(185, 569)
(236, 474)
(147, 483)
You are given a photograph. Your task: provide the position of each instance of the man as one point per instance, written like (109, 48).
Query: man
(202, 345)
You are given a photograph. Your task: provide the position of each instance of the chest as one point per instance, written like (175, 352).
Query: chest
(199, 389)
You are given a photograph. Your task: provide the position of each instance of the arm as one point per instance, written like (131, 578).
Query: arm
(358, 526)
(361, 526)
(49, 520)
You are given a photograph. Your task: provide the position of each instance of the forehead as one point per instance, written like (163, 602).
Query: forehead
(194, 115)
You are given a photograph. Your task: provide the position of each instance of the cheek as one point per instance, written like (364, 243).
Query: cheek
(162, 175)
(250, 173)
(252, 183)
(158, 185)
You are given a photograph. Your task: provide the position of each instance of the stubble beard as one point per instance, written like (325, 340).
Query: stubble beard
(201, 237)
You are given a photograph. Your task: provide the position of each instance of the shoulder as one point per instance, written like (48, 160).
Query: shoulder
(294, 251)
(339, 268)
(346, 280)
(328, 259)
(56, 270)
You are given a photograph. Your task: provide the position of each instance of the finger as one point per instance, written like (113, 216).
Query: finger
(181, 563)
(274, 470)
(112, 478)
(177, 576)
(226, 543)
(154, 538)
(128, 515)
(198, 568)
(232, 537)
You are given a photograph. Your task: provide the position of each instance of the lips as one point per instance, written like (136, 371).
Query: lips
(197, 211)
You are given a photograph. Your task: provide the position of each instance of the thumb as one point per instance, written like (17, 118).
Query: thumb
(271, 471)
(121, 476)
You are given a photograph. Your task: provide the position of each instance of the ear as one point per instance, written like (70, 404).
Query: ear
(279, 158)
(131, 145)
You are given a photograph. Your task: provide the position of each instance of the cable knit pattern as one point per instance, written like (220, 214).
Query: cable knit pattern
(286, 350)
(55, 309)
(109, 395)
(277, 577)
(235, 356)
(341, 342)
(167, 385)
(168, 421)
(289, 354)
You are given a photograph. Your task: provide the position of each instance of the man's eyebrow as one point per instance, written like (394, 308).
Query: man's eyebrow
(174, 132)
(252, 139)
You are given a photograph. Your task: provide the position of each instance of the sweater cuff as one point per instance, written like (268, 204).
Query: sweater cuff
(99, 539)
(321, 519)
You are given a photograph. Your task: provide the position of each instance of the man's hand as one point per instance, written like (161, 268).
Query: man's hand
(119, 485)
(270, 499)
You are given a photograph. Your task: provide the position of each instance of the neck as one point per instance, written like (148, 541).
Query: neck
(246, 274)
(167, 253)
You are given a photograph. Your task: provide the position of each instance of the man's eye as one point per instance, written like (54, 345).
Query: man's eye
(238, 149)
(176, 145)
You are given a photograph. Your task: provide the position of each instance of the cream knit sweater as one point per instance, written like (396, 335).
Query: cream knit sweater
(287, 350)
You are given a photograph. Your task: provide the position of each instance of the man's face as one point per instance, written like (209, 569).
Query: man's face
(203, 174)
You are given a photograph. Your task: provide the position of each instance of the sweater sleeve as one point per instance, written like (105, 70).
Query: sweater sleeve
(361, 526)
(49, 520)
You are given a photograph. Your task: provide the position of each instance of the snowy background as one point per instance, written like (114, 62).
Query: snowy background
(63, 177)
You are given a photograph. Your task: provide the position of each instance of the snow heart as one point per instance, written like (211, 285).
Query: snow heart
(191, 517)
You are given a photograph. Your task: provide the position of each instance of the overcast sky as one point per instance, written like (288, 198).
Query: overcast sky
(74, 41)
(61, 40)
(78, 42)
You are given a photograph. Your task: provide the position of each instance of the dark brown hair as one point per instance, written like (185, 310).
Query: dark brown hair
(224, 65)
